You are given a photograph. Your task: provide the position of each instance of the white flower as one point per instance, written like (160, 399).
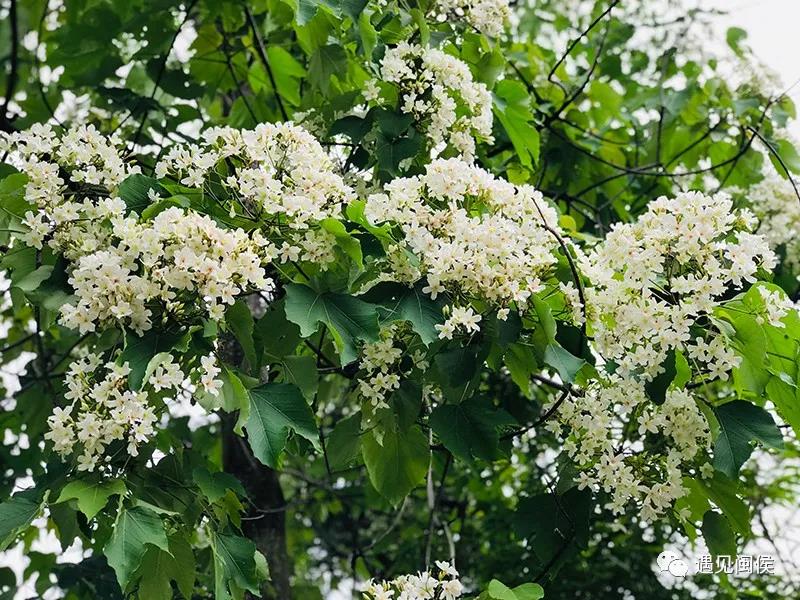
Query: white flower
(103, 411)
(438, 90)
(208, 379)
(420, 586)
(487, 16)
(499, 251)
(460, 318)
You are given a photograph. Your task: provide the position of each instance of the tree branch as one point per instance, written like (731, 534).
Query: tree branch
(13, 75)
(262, 55)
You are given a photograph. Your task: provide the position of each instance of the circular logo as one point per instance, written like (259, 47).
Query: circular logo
(672, 563)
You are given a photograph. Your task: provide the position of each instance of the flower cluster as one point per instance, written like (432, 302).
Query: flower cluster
(422, 586)
(103, 410)
(653, 280)
(487, 16)
(90, 158)
(595, 441)
(656, 285)
(775, 203)
(384, 364)
(438, 90)
(470, 233)
(69, 179)
(777, 307)
(180, 259)
(278, 173)
(463, 319)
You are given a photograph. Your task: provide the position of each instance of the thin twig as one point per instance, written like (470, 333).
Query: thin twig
(162, 68)
(262, 55)
(775, 153)
(574, 43)
(13, 75)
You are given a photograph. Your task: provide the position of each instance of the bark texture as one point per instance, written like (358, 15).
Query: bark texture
(265, 522)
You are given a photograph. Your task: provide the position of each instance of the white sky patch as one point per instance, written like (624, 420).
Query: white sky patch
(771, 26)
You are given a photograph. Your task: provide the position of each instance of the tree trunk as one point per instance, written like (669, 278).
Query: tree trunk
(265, 524)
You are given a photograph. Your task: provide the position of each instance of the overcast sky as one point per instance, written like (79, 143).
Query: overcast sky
(772, 27)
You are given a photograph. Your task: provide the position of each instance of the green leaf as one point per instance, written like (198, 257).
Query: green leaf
(398, 464)
(13, 205)
(543, 520)
(500, 591)
(306, 9)
(138, 352)
(276, 408)
(344, 442)
(91, 496)
(404, 303)
(16, 513)
(458, 370)
(563, 361)
(234, 561)
(159, 568)
(134, 530)
(529, 591)
(232, 396)
(348, 244)
(287, 72)
(353, 127)
(734, 36)
(784, 394)
(741, 423)
(788, 155)
(393, 124)
(521, 364)
(34, 279)
(512, 107)
(348, 318)
(469, 429)
(391, 151)
(151, 211)
(215, 485)
(683, 372)
(134, 192)
(722, 491)
(718, 534)
(240, 320)
(326, 62)
(275, 335)
(546, 320)
(352, 8)
(657, 388)
(302, 372)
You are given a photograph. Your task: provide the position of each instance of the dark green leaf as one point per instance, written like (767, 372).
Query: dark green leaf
(91, 496)
(134, 192)
(276, 408)
(16, 513)
(349, 319)
(344, 442)
(741, 423)
(397, 463)
(469, 429)
(134, 530)
(234, 562)
(718, 534)
(240, 320)
(563, 361)
(657, 388)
